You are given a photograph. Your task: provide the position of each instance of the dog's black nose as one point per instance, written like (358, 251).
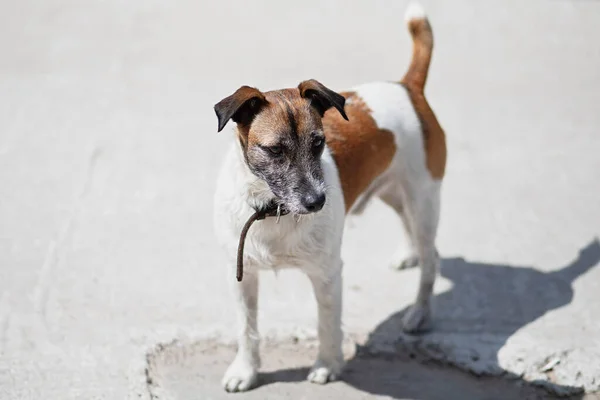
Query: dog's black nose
(313, 202)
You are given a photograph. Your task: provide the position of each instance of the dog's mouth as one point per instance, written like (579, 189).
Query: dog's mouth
(302, 210)
(278, 208)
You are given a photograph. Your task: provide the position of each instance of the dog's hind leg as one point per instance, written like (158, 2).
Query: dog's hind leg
(405, 256)
(423, 209)
(242, 374)
(419, 207)
(328, 293)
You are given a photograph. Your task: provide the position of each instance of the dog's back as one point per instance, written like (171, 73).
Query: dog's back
(391, 127)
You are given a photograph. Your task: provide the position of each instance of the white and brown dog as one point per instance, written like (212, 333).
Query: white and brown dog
(319, 155)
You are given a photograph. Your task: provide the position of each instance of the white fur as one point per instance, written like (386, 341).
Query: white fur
(414, 11)
(313, 242)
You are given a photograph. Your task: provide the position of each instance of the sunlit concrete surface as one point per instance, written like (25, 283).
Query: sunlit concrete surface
(111, 284)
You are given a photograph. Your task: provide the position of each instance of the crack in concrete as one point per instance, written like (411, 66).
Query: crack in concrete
(148, 375)
(152, 386)
(55, 253)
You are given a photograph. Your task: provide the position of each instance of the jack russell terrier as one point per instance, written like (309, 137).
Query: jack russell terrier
(309, 156)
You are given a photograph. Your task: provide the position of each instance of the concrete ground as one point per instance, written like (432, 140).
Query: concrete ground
(111, 286)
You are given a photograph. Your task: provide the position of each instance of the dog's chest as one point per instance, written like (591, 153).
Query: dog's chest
(287, 243)
(290, 242)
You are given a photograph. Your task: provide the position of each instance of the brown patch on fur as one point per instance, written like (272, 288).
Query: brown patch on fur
(274, 119)
(361, 150)
(433, 135)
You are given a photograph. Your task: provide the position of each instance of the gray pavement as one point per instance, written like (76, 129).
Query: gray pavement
(111, 285)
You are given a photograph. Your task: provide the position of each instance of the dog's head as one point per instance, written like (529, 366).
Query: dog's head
(281, 135)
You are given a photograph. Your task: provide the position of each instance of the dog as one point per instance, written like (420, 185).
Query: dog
(320, 155)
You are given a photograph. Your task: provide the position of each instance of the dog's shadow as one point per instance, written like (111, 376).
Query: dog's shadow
(487, 302)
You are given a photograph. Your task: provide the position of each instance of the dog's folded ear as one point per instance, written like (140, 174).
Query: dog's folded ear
(322, 98)
(241, 107)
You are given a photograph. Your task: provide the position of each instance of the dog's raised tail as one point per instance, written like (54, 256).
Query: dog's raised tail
(422, 35)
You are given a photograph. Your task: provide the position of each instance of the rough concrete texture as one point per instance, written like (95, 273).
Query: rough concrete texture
(108, 154)
(179, 372)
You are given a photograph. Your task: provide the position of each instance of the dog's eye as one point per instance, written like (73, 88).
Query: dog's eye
(318, 143)
(275, 150)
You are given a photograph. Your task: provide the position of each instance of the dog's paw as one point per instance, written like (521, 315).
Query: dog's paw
(399, 263)
(417, 319)
(240, 377)
(323, 372)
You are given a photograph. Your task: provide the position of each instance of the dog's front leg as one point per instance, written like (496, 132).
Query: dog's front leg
(242, 374)
(327, 286)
